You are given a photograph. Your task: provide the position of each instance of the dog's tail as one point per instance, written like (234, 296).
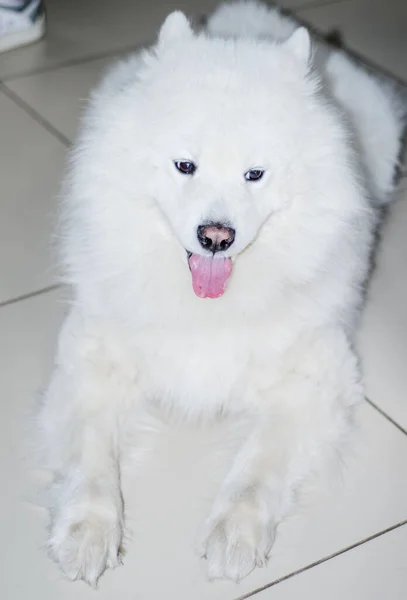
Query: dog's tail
(377, 110)
(249, 18)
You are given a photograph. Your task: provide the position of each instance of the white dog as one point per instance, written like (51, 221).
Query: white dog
(218, 223)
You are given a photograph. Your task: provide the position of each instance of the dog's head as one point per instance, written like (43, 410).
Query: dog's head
(232, 141)
(227, 117)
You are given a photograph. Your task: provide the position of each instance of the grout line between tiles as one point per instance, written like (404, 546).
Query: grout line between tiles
(34, 114)
(323, 560)
(45, 290)
(386, 416)
(76, 61)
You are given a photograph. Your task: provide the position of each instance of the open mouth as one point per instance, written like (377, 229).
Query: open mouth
(210, 274)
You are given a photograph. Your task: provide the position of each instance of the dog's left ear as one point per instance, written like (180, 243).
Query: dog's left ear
(299, 44)
(175, 27)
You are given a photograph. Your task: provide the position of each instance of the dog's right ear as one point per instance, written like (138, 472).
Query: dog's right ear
(175, 27)
(299, 45)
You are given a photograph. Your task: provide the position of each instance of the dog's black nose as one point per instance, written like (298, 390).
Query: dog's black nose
(215, 237)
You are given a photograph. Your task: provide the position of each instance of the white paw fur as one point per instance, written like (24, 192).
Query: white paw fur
(85, 548)
(237, 542)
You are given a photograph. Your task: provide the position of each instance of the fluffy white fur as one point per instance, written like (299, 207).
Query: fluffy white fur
(277, 346)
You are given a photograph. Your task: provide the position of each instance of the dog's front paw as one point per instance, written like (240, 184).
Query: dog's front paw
(237, 541)
(85, 547)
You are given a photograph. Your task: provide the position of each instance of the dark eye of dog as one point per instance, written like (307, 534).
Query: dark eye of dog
(186, 167)
(253, 175)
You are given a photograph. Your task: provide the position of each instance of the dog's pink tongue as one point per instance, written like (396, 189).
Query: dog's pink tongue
(209, 275)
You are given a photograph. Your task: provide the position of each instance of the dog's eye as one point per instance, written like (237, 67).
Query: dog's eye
(254, 174)
(187, 167)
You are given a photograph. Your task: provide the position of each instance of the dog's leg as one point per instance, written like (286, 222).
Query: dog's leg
(79, 427)
(296, 425)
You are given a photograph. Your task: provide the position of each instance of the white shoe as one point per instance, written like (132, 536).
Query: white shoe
(21, 26)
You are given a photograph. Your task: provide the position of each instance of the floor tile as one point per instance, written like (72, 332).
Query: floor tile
(383, 335)
(374, 571)
(169, 488)
(81, 28)
(59, 96)
(30, 170)
(374, 28)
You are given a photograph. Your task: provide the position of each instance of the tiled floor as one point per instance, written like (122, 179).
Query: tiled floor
(349, 539)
